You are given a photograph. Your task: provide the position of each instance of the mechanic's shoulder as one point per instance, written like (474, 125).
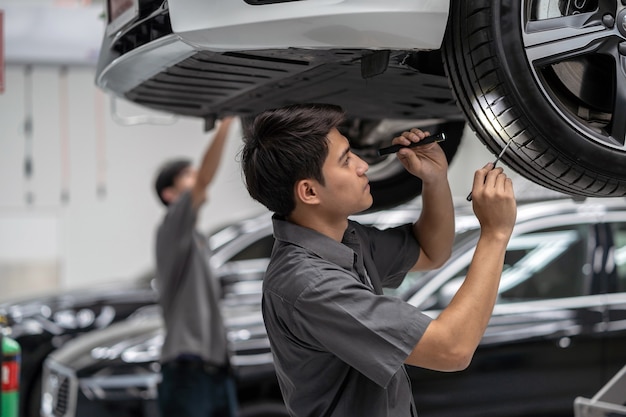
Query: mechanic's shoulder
(291, 269)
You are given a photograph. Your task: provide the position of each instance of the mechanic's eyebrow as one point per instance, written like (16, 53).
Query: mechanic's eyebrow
(344, 153)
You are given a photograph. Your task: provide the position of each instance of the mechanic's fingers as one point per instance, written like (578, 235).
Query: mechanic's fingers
(490, 181)
(480, 176)
(493, 201)
(408, 158)
(410, 136)
(495, 179)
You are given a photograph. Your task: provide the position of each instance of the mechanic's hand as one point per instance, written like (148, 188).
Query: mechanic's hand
(493, 201)
(427, 162)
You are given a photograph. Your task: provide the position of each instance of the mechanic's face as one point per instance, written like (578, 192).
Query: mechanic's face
(346, 190)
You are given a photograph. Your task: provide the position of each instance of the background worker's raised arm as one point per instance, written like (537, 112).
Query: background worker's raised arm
(210, 162)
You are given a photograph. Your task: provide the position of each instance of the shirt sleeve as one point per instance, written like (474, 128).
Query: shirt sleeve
(372, 333)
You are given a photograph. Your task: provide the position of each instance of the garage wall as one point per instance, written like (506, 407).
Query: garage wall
(87, 213)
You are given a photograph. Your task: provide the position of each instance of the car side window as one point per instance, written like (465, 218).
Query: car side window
(619, 255)
(260, 249)
(545, 264)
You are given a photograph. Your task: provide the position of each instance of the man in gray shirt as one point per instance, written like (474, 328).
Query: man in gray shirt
(196, 379)
(339, 343)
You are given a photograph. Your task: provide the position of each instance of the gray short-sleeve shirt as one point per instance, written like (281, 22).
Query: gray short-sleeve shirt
(339, 344)
(188, 293)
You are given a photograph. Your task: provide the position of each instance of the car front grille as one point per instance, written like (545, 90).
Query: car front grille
(58, 391)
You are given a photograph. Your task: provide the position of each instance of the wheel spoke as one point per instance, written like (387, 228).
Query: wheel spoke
(553, 40)
(618, 121)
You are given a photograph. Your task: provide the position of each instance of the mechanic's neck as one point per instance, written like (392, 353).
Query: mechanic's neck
(332, 226)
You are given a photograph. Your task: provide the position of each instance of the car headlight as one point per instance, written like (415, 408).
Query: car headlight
(136, 383)
(137, 350)
(34, 318)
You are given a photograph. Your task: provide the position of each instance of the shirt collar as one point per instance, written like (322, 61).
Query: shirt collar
(322, 245)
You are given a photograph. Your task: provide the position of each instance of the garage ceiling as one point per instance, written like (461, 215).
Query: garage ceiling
(45, 32)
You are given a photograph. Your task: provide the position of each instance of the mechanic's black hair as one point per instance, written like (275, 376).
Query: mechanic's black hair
(283, 146)
(167, 174)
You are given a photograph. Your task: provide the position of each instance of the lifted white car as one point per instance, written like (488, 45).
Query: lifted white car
(548, 75)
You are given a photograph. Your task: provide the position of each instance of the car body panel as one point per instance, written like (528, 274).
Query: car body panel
(123, 74)
(250, 57)
(324, 24)
(224, 58)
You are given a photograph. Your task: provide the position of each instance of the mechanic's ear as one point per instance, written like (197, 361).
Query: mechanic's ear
(306, 191)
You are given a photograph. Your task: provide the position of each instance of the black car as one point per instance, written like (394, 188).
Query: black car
(557, 330)
(547, 75)
(43, 323)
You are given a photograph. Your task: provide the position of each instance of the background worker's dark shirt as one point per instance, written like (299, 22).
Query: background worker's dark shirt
(339, 344)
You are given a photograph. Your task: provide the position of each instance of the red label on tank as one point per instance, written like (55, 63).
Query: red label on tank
(10, 376)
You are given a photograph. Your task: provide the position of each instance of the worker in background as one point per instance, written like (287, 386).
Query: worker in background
(196, 376)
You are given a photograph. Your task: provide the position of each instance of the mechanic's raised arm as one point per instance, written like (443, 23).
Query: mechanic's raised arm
(210, 162)
(451, 339)
(435, 227)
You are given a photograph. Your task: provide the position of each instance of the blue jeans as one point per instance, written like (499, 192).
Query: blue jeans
(190, 389)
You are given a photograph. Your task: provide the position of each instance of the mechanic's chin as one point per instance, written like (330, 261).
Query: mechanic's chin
(368, 200)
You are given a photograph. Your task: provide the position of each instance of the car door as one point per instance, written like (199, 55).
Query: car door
(615, 289)
(542, 346)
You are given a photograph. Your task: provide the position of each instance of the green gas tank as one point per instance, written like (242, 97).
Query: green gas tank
(10, 359)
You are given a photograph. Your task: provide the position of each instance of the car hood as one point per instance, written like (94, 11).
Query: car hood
(85, 308)
(111, 343)
(138, 340)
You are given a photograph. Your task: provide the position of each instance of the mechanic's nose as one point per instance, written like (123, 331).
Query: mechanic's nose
(362, 166)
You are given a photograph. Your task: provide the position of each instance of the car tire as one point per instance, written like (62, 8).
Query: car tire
(563, 111)
(33, 404)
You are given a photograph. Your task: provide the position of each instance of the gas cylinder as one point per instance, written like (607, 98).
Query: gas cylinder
(10, 359)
